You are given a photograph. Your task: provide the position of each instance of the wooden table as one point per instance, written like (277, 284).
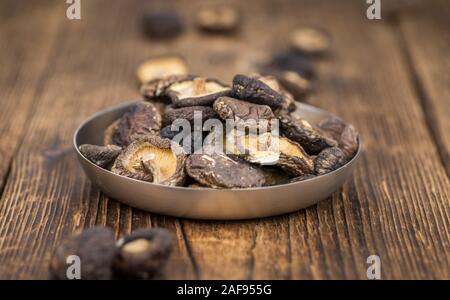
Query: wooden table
(389, 77)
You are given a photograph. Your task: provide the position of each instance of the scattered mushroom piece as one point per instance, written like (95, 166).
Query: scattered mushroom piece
(291, 61)
(298, 85)
(310, 41)
(143, 253)
(222, 19)
(94, 247)
(162, 24)
(160, 67)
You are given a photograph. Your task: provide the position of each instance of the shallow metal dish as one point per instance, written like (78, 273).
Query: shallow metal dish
(207, 203)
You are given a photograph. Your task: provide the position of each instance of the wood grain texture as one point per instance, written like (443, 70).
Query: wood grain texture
(23, 69)
(427, 42)
(47, 197)
(394, 206)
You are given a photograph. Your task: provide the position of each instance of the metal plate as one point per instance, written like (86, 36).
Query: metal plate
(205, 203)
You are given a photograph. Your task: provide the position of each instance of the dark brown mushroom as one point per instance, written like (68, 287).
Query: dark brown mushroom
(255, 91)
(302, 132)
(141, 120)
(253, 115)
(220, 171)
(102, 156)
(143, 253)
(188, 113)
(343, 132)
(156, 89)
(328, 160)
(95, 248)
(152, 159)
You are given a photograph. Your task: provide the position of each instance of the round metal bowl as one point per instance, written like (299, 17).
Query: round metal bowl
(205, 203)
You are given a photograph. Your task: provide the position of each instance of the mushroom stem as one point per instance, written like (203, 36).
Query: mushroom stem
(150, 166)
(199, 86)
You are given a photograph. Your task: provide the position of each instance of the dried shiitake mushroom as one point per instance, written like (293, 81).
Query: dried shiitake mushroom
(293, 158)
(295, 83)
(288, 102)
(94, 247)
(141, 120)
(196, 139)
(344, 133)
(349, 141)
(218, 19)
(274, 176)
(332, 126)
(269, 80)
(160, 67)
(109, 134)
(288, 105)
(199, 91)
(255, 91)
(310, 40)
(237, 110)
(156, 89)
(257, 151)
(302, 132)
(328, 160)
(188, 113)
(102, 156)
(143, 253)
(162, 24)
(168, 133)
(220, 171)
(266, 149)
(152, 159)
(290, 61)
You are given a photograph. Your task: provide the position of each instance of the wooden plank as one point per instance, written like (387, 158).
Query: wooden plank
(23, 69)
(424, 31)
(47, 196)
(395, 205)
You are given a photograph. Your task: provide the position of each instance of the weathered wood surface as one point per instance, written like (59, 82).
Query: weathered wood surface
(426, 36)
(57, 72)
